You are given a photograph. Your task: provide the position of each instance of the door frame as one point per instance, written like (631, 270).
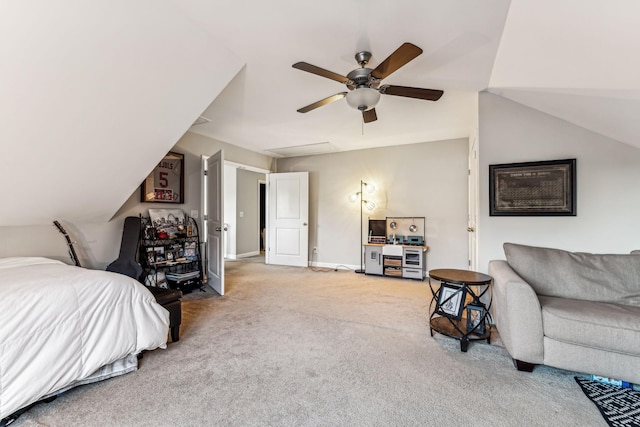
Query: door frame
(472, 219)
(234, 165)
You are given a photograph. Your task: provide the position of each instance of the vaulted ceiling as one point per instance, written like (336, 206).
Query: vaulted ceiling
(95, 93)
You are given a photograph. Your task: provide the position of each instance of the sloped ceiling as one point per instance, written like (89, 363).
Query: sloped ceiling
(574, 59)
(95, 93)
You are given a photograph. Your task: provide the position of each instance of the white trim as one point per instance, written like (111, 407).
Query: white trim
(245, 255)
(246, 167)
(333, 265)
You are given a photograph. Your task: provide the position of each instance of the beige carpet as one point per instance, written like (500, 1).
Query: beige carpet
(294, 347)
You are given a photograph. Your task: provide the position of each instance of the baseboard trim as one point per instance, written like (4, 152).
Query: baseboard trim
(240, 256)
(333, 266)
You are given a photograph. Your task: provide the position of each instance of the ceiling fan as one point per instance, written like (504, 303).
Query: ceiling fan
(364, 83)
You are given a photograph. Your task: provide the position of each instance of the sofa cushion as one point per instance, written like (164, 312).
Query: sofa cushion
(610, 327)
(592, 277)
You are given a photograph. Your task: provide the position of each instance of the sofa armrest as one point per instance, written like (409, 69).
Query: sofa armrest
(517, 314)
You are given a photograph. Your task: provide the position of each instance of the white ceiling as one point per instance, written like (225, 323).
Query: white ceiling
(576, 59)
(257, 110)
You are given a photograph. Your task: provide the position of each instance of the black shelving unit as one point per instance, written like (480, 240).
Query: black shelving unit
(171, 261)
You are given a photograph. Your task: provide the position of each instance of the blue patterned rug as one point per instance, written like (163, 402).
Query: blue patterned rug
(620, 406)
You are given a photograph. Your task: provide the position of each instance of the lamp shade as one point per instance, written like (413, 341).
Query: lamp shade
(369, 204)
(371, 188)
(363, 98)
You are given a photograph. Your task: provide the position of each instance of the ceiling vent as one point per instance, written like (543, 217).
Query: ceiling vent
(200, 121)
(305, 150)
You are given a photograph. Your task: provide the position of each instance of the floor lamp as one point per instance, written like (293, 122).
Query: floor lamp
(370, 205)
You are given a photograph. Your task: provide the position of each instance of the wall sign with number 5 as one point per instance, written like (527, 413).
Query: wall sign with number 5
(165, 184)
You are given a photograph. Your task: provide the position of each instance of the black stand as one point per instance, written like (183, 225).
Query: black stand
(452, 324)
(361, 270)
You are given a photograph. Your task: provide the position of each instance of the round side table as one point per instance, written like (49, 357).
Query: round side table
(458, 308)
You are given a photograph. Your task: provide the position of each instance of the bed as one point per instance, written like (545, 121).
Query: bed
(63, 326)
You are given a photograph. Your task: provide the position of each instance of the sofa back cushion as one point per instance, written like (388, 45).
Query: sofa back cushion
(577, 275)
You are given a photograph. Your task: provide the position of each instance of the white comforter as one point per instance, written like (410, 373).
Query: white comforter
(59, 324)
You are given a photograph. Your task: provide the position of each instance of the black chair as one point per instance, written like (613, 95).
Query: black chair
(170, 299)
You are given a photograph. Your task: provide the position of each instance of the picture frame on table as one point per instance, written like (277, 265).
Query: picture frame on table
(451, 301)
(475, 319)
(158, 254)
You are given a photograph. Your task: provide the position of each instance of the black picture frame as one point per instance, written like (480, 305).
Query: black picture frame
(451, 301)
(544, 188)
(165, 184)
(475, 319)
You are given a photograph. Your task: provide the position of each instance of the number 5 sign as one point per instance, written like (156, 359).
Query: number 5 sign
(165, 184)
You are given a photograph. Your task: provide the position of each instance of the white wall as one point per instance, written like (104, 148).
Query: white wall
(248, 213)
(426, 179)
(608, 173)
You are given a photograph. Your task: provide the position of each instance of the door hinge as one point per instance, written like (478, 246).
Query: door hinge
(205, 172)
(469, 262)
(206, 217)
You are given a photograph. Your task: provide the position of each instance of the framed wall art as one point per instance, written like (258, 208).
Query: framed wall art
(165, 184)
(546, 188)
(451, 301)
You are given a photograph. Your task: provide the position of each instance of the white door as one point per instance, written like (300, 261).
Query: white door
(473, 201)
(288, 219)
(215, 221)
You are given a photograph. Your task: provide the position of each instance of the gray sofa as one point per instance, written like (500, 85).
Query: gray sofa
(570, 310)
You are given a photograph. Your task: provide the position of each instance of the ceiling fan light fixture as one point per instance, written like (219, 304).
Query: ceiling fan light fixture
(363, 98)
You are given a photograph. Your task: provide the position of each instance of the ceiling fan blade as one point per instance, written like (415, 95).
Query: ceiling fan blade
(411, 92)
(320, 72)
(397, 59)
(322, 102)
(369, 115)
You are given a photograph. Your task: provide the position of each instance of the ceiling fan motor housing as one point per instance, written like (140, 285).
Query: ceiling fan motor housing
(360, 76)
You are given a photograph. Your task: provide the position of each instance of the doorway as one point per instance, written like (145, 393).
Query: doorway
(262, 203)
(245, 211)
